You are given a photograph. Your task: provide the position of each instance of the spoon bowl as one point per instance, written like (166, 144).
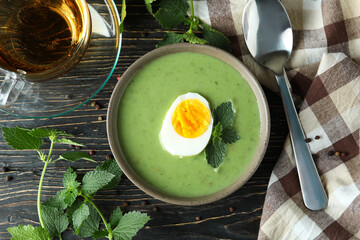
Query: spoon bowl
(269, 38)
(274, 48)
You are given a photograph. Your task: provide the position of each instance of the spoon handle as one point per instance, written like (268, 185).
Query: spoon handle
(312, 189)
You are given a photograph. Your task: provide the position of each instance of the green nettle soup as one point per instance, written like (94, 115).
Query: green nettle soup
(145, 103)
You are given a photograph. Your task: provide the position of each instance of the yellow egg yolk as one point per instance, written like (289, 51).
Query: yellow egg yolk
(191, 118)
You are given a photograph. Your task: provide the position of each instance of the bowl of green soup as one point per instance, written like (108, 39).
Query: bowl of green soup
(188, 124)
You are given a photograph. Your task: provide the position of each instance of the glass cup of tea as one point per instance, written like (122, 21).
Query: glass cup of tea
(40, 40)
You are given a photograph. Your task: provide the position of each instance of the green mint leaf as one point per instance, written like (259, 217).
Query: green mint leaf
(28, 232)
(75, 156)
(55, 220)
(57, 201)
(171, 13)
(68, 141)
(111, 166)
(216, 38)
(21, 139)
(129, 225)
(79, 216)
(123, 15)
(100, 234)
(229, 135)
(191, 38)
(115, 217)
(69, 179)
(148, 5)
(47, 132)
(170, 38)
(215, 152)
(95, 180)
(224, 114)
(91, 224)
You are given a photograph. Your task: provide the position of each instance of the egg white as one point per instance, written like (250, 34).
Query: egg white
(176, 144)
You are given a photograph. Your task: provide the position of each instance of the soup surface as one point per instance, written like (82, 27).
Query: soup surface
(143, 107)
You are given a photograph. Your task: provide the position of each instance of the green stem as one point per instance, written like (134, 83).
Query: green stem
(39, 195)
(110, 236)
(192, 17)
(192, 8)
(40, 186)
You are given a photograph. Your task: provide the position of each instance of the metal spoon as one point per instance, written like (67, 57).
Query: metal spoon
(269, 38)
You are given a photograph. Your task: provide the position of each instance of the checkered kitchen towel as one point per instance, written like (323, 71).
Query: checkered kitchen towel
(327, 83)
(331, 111)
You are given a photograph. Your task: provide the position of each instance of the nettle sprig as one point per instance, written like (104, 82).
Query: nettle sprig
(73, 206)
(223, 133)
(172, 13)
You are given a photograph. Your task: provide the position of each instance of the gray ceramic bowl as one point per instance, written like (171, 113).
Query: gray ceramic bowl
(113, 112)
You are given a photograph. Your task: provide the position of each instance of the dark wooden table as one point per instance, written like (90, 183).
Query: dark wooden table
(18, 196)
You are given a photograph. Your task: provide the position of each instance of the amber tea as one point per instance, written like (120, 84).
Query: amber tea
(42, 38)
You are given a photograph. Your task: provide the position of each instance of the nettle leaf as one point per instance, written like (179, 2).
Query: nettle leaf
(129, 225)
(47, 132)
(69, 179)
(170, 38)
(55, 220)
(111, 166)
(21, 139)
(216, 38)
(56, 201)
(100, 234)
(229, 135)
(169, 19)
(181, 6)
(171, 13)
(79, 216)
(28, 232)
(218, 131)
(76, 156)
(91, 223)
(194, 21)
(215, 152)
(191, 38)
(95, 180)
(70, 196)
(71, 209)
(68, 141)
(224, 114)
(148, 5)
(115, 217)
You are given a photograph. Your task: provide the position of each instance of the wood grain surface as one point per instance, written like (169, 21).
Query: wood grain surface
(18, 196)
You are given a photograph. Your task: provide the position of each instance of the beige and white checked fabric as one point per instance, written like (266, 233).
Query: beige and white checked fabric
(331, 110)
(325, 78)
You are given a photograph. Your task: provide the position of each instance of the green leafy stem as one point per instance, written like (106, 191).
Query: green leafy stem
(172, 13)
(81, 213)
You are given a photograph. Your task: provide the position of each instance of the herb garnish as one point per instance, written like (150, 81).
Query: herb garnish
(222, 134)
(172, 13)
(73, 205)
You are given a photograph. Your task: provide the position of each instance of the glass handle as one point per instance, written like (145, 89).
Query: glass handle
(10, 89)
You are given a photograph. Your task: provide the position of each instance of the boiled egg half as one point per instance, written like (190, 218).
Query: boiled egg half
(187, 126)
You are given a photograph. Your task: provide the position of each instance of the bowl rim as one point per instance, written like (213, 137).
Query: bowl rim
(112, 112)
